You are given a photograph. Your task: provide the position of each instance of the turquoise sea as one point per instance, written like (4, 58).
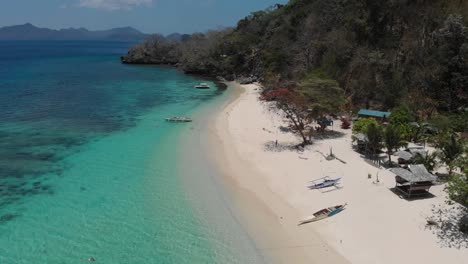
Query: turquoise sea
(90, 169)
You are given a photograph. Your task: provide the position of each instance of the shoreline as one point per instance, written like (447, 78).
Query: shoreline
(266, 217)
(269, 194)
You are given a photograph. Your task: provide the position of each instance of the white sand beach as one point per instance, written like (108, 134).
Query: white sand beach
(272, 195)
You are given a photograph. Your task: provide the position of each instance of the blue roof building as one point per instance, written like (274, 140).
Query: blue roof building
(374, 114)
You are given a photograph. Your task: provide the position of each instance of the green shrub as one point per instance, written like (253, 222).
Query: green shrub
(362, 124)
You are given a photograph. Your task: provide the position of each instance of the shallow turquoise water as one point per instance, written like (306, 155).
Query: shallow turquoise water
(88, 167)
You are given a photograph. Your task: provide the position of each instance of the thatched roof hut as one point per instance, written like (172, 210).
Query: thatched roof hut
(421, 174)
(404, 155)
(415, 181)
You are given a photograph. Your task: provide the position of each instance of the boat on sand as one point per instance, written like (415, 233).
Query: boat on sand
(324, 213)
(324, 183)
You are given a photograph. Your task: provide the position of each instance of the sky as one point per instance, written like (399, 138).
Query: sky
(148, 16)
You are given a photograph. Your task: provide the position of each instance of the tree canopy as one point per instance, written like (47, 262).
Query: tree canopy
(378, 52)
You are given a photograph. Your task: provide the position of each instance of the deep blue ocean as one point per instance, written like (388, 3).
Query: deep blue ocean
(88, 166)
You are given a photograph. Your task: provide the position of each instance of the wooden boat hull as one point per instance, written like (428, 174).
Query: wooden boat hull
(324, 213)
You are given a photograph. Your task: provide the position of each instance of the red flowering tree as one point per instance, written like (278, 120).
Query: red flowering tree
(345, 124)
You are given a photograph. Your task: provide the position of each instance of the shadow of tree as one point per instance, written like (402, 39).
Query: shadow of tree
(280, 147)
(328, 134)
(447, 227)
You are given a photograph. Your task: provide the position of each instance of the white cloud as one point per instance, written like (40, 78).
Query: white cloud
(113, 4)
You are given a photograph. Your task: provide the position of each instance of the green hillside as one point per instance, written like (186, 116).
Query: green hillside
(381, 53)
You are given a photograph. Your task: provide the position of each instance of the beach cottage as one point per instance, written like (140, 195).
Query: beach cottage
(413, 182)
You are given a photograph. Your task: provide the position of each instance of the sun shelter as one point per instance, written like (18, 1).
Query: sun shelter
(404, 157)
(413, 182)
(421, 152)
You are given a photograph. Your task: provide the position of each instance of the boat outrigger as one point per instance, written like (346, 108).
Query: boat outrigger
(202, 86)
(179, 119)
(324, 213)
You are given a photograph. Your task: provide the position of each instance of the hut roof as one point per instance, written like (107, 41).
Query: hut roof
(417, 173)
(360, 137)
(404, 155)
(405, 174)
(421, 172)
(374, 113)
(414, 146)
(422, 152)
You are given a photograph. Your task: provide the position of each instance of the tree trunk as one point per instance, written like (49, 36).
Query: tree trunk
(304, 138)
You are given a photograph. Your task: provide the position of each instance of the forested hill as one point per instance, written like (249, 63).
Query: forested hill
(381, 52)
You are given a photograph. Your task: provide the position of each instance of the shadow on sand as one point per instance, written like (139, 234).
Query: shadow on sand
(328, 134)
(280, 147)
(447, 228)
(415, 198)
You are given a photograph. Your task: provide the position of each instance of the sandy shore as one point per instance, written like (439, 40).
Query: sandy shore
(269, 185)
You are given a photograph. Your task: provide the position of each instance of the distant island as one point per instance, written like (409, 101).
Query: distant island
(31, 32)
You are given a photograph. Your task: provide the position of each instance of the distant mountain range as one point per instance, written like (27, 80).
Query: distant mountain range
(31, 32)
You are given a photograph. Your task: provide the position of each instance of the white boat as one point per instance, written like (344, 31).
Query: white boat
(324, 183)
(324, 213)
(202, 86)
(179, 119)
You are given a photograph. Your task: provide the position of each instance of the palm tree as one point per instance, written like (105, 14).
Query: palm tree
(392, 140)
(429, 160)
(374, 138)
(451, 149)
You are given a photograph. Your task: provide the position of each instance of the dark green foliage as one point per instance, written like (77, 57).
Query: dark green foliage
(458, 185)
(392, 140)
(381, 53)
(429, 160)
(361, 125)
(400, 116)
(375, 137)
(451, 149)
(400, 120)
(323, 95)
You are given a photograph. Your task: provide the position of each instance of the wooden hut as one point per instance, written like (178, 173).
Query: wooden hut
(413, 182)
(404, 157)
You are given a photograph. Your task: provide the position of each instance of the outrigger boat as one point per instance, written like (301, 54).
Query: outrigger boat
(202, 86)
(324, 213)
(179, 119)
(324, 183)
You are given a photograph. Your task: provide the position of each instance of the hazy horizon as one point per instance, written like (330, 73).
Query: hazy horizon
(148, 16)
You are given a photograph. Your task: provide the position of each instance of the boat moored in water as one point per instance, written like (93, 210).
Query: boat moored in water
(179, 119)
(202, 86)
